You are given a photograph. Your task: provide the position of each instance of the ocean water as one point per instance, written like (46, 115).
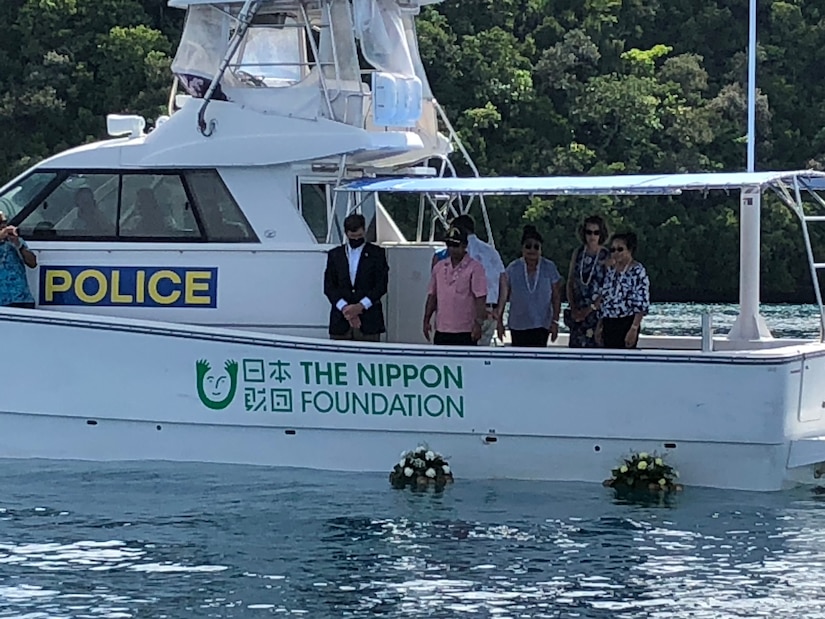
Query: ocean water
(120, 540)
(796, 321)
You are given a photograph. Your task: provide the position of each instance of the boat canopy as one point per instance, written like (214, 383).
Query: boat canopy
(642, 184)
(183, 4)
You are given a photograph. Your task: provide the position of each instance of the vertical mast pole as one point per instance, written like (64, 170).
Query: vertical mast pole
(749, 324)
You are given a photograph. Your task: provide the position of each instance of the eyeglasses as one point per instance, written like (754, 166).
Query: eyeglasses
(532, 246)
(616, 250)
(589, 232)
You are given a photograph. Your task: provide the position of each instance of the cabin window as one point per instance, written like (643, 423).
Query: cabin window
(156, 206)
(82, 206)
(315, 202)
(162, 206)
(18, 196)
(220, 215)
(313, 208)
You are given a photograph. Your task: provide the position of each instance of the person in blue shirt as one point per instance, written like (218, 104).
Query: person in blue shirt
(15, 256)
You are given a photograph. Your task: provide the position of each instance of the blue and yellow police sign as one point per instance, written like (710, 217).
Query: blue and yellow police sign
(129, 286)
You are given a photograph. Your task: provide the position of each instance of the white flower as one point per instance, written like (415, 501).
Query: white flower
(402, 463)
(429, 455)
(445, 469)
(421, 449)
(408, 472)
(404, 455)
(418, 463)
(430, 473)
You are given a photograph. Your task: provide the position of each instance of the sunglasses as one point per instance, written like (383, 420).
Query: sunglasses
(616, 250)
(531, 246)
(591, 232)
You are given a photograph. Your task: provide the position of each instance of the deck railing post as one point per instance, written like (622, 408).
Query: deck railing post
(707, 332)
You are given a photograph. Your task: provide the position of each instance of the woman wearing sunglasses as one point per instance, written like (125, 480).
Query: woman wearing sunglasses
(532, 284)
(584, 280)
(625, 296)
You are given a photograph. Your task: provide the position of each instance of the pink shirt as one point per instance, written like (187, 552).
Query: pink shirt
(456, 290)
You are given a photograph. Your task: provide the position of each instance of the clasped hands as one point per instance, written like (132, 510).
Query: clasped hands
(9, 233)
(352, 313)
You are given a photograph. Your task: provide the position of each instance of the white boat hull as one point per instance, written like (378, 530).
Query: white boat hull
(98, 388)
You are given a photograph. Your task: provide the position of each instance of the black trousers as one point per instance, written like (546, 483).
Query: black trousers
(453, 339)
(529, 338)
(614, 331)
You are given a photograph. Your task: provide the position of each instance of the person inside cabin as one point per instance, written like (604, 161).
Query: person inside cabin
(147, 218)
(15, 256)
(355, 281)
(89, 221)
(624, 296)
(584, 279)
(532, 284)
(493, 267)
(457, 294)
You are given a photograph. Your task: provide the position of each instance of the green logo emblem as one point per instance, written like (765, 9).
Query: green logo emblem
(217, 391)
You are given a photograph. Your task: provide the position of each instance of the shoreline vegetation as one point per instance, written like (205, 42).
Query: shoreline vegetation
(534, 87)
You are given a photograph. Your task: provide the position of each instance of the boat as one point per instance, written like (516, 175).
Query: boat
(180, 313)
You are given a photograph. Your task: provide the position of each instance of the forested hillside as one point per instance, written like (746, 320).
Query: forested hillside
(533, 87)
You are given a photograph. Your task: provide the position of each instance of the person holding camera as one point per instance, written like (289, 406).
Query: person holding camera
(15, 256)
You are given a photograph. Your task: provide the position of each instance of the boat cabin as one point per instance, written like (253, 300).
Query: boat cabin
(282, 115)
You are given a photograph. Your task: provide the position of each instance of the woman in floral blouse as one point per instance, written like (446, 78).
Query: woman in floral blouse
(584, 281)
(624, 298)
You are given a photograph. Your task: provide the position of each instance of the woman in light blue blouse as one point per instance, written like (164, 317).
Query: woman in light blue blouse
(532, 284)
(624, 298)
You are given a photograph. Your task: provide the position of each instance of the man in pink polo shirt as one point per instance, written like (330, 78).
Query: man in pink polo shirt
(458, 290)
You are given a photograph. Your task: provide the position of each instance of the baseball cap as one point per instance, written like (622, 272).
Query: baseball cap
(456, 236)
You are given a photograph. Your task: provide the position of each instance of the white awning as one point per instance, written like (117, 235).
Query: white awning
(648, 184)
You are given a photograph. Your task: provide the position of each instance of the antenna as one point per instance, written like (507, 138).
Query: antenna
(752, 86)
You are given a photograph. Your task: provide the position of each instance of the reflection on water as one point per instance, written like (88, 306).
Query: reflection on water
(795, 321)
(163, 540)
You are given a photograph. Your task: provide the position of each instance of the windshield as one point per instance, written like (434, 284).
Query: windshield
(18, 195)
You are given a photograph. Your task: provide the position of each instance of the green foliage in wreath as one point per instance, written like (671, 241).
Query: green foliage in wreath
(644, 472)
(420, 469)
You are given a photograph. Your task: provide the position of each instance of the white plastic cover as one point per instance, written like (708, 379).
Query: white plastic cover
(379, 26)
(396, 100)
(203, 42)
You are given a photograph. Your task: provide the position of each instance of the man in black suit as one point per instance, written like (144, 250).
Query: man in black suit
(355, 279)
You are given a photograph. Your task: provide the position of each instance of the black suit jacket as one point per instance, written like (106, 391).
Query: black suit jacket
(370, 281)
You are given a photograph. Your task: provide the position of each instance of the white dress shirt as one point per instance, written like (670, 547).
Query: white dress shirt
(354, 257)
(490, 259)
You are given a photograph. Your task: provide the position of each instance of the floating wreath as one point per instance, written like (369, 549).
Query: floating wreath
(421, 468)
(644, 472)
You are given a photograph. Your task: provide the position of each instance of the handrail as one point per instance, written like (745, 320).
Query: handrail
(456, 139)
(250, 7)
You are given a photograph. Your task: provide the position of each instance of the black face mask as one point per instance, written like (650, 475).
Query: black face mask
(356, 243)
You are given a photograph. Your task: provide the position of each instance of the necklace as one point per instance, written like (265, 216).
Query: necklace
(592, 267)
(617, 282)
(531, 289)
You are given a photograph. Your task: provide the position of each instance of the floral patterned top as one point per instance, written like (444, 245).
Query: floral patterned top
(625, 293)
(14, 287)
